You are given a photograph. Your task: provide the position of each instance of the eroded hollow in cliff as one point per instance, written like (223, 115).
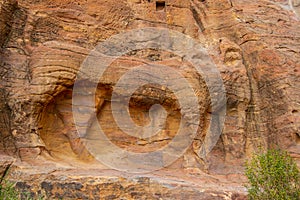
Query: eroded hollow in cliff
(59, 132)
(160, 5)
(62, 140)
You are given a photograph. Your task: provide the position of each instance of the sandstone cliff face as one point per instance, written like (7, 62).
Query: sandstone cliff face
(254, 44)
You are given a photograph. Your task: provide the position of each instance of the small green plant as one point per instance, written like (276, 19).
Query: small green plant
(273, 176)
(8, 191)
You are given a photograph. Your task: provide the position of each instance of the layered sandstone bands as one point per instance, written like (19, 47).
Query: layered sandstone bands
(255, 45)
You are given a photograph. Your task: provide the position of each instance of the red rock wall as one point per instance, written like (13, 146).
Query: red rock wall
(255, 45)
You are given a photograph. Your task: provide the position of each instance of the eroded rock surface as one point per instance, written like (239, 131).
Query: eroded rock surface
(254, 44)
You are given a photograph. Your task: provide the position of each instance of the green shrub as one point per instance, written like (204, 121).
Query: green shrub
(273, 176)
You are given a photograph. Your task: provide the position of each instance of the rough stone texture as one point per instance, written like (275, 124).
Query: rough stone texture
(5, 163)
(255, 45)
(57, 182)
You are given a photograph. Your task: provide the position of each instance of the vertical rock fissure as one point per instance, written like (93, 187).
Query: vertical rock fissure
(4, 173)
(7, 11)
(254, 132)
(197, 18)
(7, 139)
